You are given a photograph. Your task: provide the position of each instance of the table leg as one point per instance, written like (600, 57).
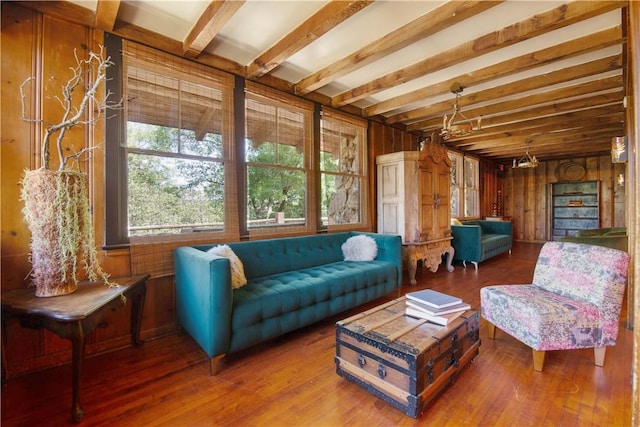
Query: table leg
(137, 308)
(412, 266)
(78, 346)
(450, 253)
(5, 372)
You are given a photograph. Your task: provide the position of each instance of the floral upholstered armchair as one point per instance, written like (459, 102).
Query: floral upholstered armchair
(574, 301)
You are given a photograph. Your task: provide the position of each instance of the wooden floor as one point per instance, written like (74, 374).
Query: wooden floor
(291, 381)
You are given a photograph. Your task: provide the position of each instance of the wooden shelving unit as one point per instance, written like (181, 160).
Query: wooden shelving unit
(575, 206)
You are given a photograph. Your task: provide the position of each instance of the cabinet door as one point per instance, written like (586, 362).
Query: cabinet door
(435, 206)
(391, 199)
(428, 200)
(443, 201)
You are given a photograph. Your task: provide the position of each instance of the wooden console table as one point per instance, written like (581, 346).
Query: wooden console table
(74, 316)
(430, 253)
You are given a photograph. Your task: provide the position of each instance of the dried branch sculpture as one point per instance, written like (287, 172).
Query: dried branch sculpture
(56, 204)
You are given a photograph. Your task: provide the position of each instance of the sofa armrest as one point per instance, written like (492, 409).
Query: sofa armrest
(496, 227)
(204, 298)
(614, 242)
(389, 249)
(467, 242)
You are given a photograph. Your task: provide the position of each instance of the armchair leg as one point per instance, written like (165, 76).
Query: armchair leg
(538, 360)
(599, 354)
(475, 264)
(491, 328)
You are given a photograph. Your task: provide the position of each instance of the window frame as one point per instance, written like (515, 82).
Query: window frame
(125, 53)
(458, 161)
(362, 174)
(235, 191)
(267, 96)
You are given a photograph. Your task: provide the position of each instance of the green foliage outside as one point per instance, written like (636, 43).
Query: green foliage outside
(176, 183)
(169, 194)
(275, 182)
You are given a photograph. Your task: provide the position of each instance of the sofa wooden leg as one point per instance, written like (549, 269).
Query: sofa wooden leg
(599, 354)
(491, 328)
(538, 360)
(475, 264)
(214, 365)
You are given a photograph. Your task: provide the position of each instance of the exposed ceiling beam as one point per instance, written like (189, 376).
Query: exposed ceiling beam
(569, 107)
(428, 24)
(579, 46)
(569, 99)
(558, 17)
(106, 14)
(543, 147)
(539, 125)
(214, 17)
(555, 95)
(521, 86)
(545, 137)
(327, 18)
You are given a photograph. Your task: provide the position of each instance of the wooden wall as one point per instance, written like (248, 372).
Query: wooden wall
(527, 194)
(41, 46)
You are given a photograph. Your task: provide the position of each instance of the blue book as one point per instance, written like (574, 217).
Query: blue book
(433, 298)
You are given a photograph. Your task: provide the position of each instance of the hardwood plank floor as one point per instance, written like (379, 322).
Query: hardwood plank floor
(291, 381)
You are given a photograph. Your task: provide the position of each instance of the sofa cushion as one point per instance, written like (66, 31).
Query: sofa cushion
(271, 296)
(238, 278)
(272, 256)
(360, 248)
(572, 269)
(491, 241)
(543, 320)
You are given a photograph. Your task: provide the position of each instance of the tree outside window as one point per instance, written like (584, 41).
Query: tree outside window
(174, 154)
(277, 141)
(342, 170)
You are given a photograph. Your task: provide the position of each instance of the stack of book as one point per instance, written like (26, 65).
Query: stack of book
(434, 306)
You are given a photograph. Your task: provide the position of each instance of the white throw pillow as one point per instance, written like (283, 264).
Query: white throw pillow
(238, 278)
(360, 248)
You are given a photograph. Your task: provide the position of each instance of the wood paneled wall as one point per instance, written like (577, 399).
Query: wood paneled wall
(43, 47)
(527, 195)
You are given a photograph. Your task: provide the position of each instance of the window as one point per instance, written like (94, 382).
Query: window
(471, 176)
(279, 140)
(176, 145)
(456, 185)
(464, 186)
(342, 170)
(197, 154)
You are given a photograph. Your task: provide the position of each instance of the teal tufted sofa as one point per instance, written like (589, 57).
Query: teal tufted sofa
(292, 282)
(478, 240)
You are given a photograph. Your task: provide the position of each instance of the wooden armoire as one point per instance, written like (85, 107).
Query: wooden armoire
(414, 202)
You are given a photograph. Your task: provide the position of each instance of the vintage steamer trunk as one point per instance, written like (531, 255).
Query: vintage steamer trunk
(405, 361)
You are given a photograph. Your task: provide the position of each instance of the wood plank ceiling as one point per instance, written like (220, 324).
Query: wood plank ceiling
(547, 75)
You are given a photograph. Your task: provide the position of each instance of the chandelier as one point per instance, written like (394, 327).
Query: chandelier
(527, 161)
(451, 129)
